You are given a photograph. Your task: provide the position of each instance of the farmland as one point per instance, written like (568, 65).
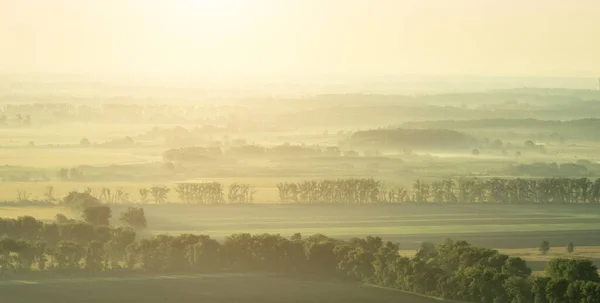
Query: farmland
(495, 187)
(199, 288)
(494, 226)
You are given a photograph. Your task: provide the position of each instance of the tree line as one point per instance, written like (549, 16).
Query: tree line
(370, 191)
(451, 270)
(461, 190)
(342, 191)
(508, 191)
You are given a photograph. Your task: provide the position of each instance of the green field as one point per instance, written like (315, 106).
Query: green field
(494, 226)
(199, 288)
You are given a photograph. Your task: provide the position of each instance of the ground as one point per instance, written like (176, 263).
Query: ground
(199, 288)
(495, 226)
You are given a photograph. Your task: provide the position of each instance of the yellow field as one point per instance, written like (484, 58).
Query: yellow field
(533, 255)
(70, 157)
(40, 213)
(69, 133)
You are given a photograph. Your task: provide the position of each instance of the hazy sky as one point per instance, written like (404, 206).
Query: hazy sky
(237, 37)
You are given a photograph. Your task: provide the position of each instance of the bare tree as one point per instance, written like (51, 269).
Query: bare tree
(159, 193)
(49, 193)
(23, 195)
(144, 193)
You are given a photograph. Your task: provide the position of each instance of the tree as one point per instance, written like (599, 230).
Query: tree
(84, 142)
(134, 217)
(62, 219)
(94, 251)
(80, 201)
(23, 195)
(570, 247)
(144, 192)
(49, 193)
(97, 215)
(529, 144)
(159, 193)
(544, 247)
(572, 270)
(556, 291)
(67, 255)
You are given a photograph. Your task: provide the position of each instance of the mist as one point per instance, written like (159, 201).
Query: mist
(299, 151)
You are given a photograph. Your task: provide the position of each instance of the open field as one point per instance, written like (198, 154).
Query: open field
(494, 226)
(200, 288)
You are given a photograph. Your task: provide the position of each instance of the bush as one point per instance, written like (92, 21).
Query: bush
(97, 215)
(544, 247)
(134, 217)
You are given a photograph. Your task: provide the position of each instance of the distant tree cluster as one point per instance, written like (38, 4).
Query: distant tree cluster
(199, 193)
(412, 138)
(192, 154)
(550, 169)
(92, 210)
(72, 174)
(198, 153)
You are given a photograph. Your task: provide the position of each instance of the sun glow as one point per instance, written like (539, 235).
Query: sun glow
(226, 10)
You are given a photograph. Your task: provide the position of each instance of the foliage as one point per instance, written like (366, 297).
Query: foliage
(572, 270)
(343, 191)
(570, 247)
(240, 193)
(80, 201)
(134, 217)
(544, 247)
(509, 191)
(200, 193)
(97, 215)
(453, 270)
(159, 193)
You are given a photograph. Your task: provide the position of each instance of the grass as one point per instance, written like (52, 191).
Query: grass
(533, 255)
(494, 226)
(210, 288)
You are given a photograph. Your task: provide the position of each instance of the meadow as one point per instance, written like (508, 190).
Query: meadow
(492, 226)
(200, 288)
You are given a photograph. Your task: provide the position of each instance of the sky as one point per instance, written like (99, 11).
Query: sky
(248, 38)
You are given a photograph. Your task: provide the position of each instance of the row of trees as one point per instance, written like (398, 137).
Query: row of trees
(508, 191)
(344, 191)
(370, 191)
(193, 193)
(462, 190)
(452, 270)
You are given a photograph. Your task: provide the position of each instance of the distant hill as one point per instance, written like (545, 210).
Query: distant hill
(412, 138)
